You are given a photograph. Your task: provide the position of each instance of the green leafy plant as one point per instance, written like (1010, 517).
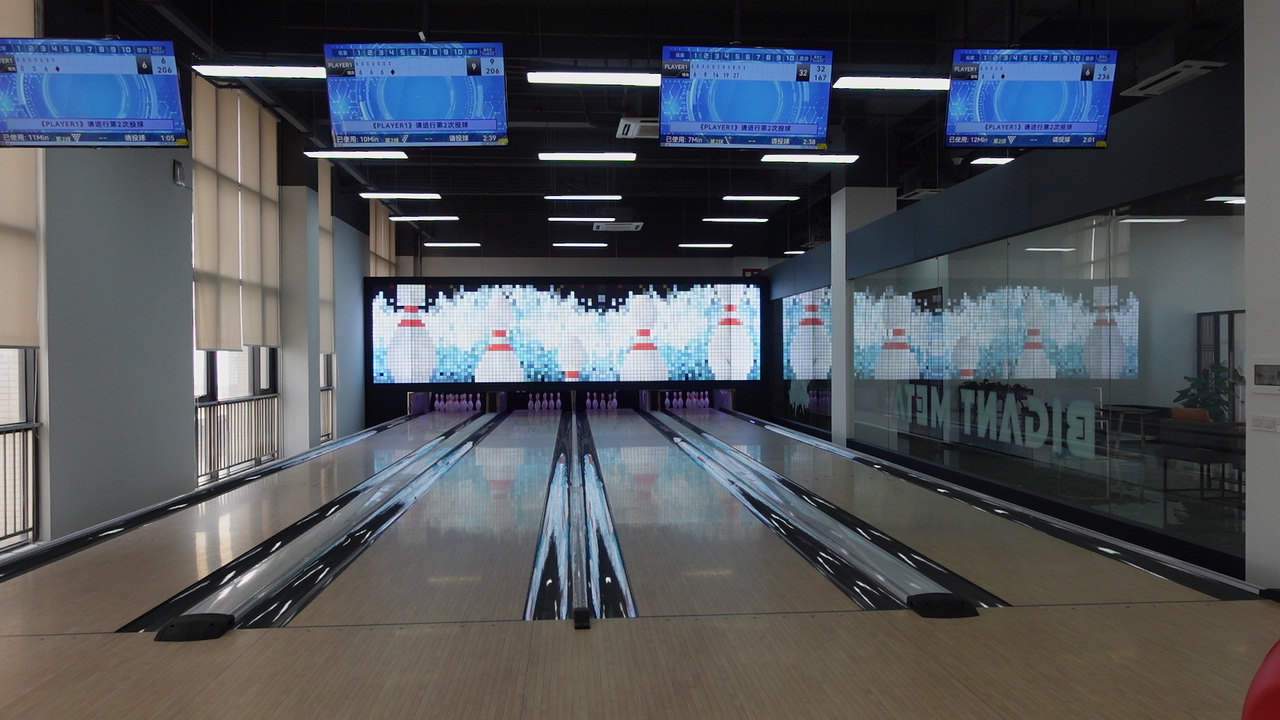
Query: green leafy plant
(1214, 389)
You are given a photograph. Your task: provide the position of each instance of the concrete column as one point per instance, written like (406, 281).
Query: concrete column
(851, 208)
(299, 319)
(1262, 292)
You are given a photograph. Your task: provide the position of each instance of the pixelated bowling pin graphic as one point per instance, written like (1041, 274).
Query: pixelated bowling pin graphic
(731, 354)
(897, 360)
(966, 357)
(1034, 363)
(572, 358)
(1103, 347)
(411, 355)
(499, 362)
(644, 361)
(811, 343)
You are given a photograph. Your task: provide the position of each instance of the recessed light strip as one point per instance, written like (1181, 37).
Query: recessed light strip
(580, 245)
(1050, 249)
(1153, 220)
(855, 82)
(762, 198)
(581, 197)
(794, 158)
(450, 244)
(589, 156)
(423, 218)
(736, 220)
(544, 77)
(581, 219)
(707, 246)
(262, 71)
(792, 252)
(1228, 199)
(357, 154)
(399, 196)
(991, 161)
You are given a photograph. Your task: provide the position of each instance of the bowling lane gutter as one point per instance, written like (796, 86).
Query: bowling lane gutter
(938, 573)
(26, 561)
(549, 583)
(1216, 585)
(609, 586)
(301, 560)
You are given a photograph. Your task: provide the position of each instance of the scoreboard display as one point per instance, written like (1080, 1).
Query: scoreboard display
(420, 94)
(90, 93)
(745, 97)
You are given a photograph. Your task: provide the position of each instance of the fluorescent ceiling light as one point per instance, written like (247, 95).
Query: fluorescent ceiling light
(1228, 199)
(450, 244)
(810, 158)
(399, 196)
(589, 156)
(736, 220)
(357, 154)
(596, 78)
(581, 197)
(261, 71)
(792, 252)
(581, 219)
(580, 245)
(991, 161)
(423, 218)
(851, 82)
(1153, 220)
(1049, 249)
(763, 198)
(707, 245)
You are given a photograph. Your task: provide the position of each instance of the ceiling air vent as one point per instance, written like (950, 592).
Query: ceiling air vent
(632, 128)
(1171, 78)
(617, 226)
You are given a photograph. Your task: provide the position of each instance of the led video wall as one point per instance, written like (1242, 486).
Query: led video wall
(430, 331)
(806, 335)
(1015, 332)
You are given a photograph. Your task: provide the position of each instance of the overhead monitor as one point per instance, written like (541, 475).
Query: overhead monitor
(1030, 98)
(419, 94)
(744, 97)
(431, 331)
(96, 93)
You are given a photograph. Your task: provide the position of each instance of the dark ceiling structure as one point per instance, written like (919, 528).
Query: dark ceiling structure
(498, 191)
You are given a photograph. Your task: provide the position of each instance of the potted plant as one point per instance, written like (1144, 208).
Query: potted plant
(1214, 390)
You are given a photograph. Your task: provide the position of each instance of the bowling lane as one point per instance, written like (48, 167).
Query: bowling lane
(464, 551)
(689, 547)
(105, 586)
(1021, 565)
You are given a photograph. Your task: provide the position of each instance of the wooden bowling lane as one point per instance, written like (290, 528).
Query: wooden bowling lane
(464, 551)
(691, 548)
(105, 586)
(1021, 565)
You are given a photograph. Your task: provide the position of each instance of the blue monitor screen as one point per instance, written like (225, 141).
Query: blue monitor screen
(424, 94)
(745, 97)
(1030, 98)
(89, 92)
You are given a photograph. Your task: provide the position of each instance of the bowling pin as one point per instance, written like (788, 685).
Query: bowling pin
(1034, 363)
(499, 362)
(811, 342)
(644, 361)
(897, 360)
(411, 355)
(731, 353)
(1104, 349)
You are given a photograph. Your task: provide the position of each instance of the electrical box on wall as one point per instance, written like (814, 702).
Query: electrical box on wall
(1266, 376)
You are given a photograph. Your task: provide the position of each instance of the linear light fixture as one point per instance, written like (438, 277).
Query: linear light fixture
(991, 161)
(580, 245)
(423, 218)
(589, 156)
(357, 154)
(1153, 220)
(707, 246)
(1228, 199)
(399, 196)
(792, 252)
(797, 158)
(857, 82)
(581, 197)
(450, 244)
(1049, 249)
(581, 219)
(736, 220)
(762, 198)
(544, 77)
(262, 71)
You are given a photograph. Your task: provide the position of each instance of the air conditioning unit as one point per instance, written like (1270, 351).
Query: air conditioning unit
(1168, 79)
(630, 128)
(617, 226)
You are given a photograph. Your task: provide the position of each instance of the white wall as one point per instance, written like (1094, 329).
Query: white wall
(116, 386)
(350, 253)
(586, 267)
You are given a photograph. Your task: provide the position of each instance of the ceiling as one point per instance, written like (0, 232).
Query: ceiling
(497, 191)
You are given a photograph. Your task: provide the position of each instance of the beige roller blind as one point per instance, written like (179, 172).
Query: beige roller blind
(19, 218)
(267, 129)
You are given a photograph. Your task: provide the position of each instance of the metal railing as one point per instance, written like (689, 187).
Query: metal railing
(17, 484)
(327, 411)
(233, 435)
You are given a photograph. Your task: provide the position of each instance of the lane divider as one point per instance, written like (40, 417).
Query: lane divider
(549, 584)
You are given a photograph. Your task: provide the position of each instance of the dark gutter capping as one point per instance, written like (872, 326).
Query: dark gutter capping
(160, 615)
(28, 560)
(952, 581)
(610, 588)
(548, 597)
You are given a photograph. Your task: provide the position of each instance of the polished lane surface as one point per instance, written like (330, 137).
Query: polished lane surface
(101, 588)
(1021, 565)
(690, 547)
(464, 551)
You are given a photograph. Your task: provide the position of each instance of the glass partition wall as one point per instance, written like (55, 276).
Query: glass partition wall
(1065, 363)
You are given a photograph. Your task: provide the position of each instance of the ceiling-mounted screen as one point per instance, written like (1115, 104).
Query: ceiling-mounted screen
(1030, 98)
(514, 331)
(98, 93)
(745, 97)
(420, 94)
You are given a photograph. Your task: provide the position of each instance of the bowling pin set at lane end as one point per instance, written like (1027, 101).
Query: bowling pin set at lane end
(457, 402)
(544, 402)
(686, 400)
